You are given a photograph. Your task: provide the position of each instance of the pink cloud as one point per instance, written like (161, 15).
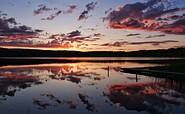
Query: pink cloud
(42, 8)
(148, 16)
(17, 36)
(71, 9)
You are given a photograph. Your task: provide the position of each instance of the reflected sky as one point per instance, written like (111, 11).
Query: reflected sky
(86, 87)
(154, 97)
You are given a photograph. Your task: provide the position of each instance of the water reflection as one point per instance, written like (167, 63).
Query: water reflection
(13, 80)
(154, 97)
(85, 88)
(44, 104)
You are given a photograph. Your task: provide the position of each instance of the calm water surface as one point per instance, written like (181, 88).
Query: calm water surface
(85, 88)
(98, 58)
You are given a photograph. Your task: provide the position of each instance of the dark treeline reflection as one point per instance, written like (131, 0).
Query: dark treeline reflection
(87, 87)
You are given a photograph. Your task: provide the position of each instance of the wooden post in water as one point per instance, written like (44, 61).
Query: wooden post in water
(108, 71)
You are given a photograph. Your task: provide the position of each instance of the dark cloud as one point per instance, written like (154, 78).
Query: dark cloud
(4, 24)
(98, 35)
(115, 44)
(179, 46)
(160, 35)
(71, 9)
(91, 39)
(10, 31)
(177, 27)
(158, 12)
(57, 44)
(74, 33)
(2, 14)
(16, 35)
(80, 39)
(89, 7)
(11, 20)
(123, 43)
(108, 11)
(154, 43)
(83, 15)
(57, 13)
(133, 34)
(52, 16)
(26, 42)
(77, 37)
(42, 8)
(74, 38)
(93, 29)
(38, 30)
(148, 16)
(79, 27)
(176, 17)
(55, 41)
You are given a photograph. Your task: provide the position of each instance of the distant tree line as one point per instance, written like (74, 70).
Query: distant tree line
(173, 52)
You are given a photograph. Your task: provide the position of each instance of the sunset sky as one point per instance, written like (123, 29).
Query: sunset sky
(92, 25)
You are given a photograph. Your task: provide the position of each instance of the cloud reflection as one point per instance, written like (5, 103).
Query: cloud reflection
(33, 73)
(80, 86)
(152, 97)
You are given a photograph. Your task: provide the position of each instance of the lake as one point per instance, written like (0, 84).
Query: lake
(87, 87)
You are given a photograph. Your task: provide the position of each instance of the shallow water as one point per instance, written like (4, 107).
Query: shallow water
(86, 87)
